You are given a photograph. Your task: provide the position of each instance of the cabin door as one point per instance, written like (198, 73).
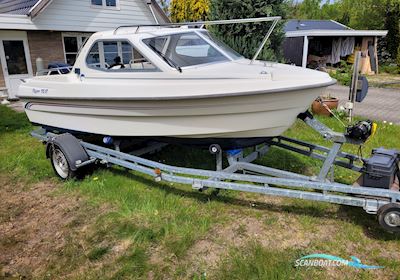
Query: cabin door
(15, 59)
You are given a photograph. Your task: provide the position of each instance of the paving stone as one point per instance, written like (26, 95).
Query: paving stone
(380, 104)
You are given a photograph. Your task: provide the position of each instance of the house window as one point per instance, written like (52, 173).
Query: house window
(105, 3)
(111, 3)
(117, 55)
(72, 45)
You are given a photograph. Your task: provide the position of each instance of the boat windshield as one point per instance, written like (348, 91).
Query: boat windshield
(228, 50)
(185, 49)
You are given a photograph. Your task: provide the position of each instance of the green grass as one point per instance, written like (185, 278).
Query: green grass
(253, 261)
(161, 224)
(97, 253)
(12, 121)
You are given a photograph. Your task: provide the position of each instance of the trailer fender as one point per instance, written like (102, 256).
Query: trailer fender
(71, 147)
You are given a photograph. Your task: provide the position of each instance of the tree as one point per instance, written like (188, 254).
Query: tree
(358, 14)
(189, 10)
(398, 56)
(392, 24)
(310, 9)
(245, 38)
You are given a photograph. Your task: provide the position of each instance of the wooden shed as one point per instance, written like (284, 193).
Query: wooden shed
(321, 43)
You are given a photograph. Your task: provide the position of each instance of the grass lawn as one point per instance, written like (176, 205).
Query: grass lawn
(116, 224)
(385, 80)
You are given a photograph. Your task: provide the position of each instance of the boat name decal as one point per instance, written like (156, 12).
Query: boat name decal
(40, 90)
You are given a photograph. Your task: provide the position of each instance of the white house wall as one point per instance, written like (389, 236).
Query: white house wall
(15, 22)
(81, 16)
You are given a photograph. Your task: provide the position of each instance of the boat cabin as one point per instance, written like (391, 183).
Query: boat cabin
(153, 49)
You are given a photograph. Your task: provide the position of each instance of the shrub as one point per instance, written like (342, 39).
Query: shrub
(343, 74)
(390, 69)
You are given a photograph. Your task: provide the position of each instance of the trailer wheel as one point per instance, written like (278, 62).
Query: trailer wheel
(389, 217)
(60, 164)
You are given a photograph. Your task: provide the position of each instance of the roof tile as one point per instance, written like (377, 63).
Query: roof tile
(17, 7)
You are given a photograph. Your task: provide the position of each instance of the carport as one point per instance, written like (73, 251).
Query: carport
(320, 43)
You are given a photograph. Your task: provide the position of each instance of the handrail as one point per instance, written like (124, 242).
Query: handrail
(47, 72)
(201, 23)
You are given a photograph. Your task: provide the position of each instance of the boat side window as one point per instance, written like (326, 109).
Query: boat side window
(185, 49)
(117, 56)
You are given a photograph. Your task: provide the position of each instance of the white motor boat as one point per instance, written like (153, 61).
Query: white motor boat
(174, 84)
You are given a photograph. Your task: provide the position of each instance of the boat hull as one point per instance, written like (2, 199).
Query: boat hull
(250, 116)
(126, 143)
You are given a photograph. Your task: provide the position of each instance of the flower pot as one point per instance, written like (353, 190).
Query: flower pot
(319, 109)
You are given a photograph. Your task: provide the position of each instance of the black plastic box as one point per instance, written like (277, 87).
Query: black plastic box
(381, 169)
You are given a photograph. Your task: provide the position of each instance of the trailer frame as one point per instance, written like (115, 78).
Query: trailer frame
(261, 179)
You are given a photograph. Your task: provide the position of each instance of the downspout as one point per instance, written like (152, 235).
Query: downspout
(152, 11)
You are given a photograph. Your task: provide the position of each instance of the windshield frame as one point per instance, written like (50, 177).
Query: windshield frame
(202, 36)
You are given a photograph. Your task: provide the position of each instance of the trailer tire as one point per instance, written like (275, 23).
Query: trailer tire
(389, 217)
(60, 164)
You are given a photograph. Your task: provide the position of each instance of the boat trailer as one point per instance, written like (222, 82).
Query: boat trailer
(378, 192)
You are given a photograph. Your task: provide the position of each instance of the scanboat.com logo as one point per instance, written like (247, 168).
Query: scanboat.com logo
(329, 260)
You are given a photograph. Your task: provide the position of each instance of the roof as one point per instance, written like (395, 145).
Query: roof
(17, 7)
(296, 25)
(23, 7)
(33, 7)
(301, 28)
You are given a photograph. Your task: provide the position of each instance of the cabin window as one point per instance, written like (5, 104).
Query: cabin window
(72, 44)
(117, 56)
(185, 49)
(105, 3)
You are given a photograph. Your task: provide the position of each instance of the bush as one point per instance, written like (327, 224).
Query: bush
(343, 74)
(390, 69)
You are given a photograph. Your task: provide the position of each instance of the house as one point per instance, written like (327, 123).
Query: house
(318, 43)
(54, 30)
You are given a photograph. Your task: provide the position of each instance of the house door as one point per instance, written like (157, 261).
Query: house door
(15, 59)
